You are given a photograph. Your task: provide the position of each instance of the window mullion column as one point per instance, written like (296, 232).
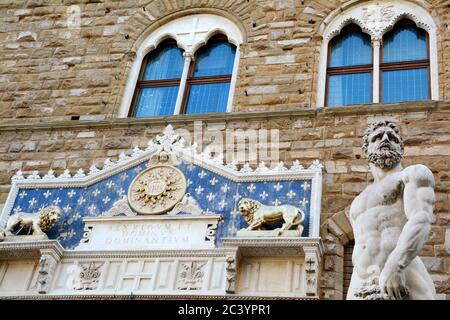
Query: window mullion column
(187, 62)
(376, 44)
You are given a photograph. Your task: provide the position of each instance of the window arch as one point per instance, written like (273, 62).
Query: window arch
(404, 46)
(195, 43)
(209, 82)
(405, 64)
(159, 81)
(349, 75)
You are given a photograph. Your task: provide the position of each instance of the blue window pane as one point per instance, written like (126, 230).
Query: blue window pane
(405, 44)
(215, 59)
(405, 85)
(164, 63)
(156, 101)
(345, 89)
(205, 98)
(351, 49)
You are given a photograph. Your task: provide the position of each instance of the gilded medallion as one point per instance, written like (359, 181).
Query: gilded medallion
(157, 189)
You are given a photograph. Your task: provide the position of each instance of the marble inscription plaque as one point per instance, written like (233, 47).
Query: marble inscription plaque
(148, 233)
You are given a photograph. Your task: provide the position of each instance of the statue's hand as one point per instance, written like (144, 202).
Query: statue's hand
(392, 283)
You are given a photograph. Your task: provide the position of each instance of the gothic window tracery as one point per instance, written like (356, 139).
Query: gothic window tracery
(404, 50)
(350, 67)
(186, 66)
(405, 64)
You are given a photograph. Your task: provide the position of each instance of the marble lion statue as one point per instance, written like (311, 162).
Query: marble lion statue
(39, 222)
(258, 215)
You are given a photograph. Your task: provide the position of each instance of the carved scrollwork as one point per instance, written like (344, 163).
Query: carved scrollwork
(86, 234)
(120, 207)
(211, 232)
(187, 205)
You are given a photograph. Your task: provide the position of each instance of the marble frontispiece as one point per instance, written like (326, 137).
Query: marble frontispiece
(119, 234)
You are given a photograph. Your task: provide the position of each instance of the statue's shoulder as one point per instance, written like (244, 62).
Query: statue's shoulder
(419, 174)
(358, 204)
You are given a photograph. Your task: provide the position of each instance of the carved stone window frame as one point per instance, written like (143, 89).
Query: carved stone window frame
(190, 32)
(376, 18)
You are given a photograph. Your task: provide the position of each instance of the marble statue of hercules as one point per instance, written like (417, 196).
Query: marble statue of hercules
(391, 221)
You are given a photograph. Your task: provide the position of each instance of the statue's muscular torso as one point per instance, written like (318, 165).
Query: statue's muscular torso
(378, 218)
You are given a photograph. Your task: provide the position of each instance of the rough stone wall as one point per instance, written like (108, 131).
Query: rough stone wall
(50, 71)
(333, 136)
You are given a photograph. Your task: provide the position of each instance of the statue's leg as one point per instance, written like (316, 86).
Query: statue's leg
(355, 283)
(10, 227)
(255, 224)
(419, 282)
(286, 226)
(7, 232)
(36, 229)
(288, 223)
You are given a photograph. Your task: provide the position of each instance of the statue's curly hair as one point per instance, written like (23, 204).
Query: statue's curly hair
(374, 126)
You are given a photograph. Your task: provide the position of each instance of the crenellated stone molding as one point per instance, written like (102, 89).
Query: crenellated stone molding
(232, 171)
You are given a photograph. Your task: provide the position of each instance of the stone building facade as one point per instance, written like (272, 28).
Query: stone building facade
(63, 89)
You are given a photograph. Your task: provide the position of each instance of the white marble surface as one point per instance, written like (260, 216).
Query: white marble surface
(148, 233)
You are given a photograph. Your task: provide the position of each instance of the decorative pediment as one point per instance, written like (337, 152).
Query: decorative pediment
(212, 188)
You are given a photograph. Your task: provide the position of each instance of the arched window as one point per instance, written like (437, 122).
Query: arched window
(184, 65)
(206, 88)
(405, 64)
(159, 81)
(392, 42)
(210, 76)
(349, 73)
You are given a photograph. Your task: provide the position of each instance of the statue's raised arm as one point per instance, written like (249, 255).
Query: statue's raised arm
(418, 201)
(391, 222)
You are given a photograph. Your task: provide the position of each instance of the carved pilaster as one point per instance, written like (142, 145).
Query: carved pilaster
(47, 266)
(312, 271)
(231, 274)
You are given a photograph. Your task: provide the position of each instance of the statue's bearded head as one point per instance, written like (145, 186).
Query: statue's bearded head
(383, 145)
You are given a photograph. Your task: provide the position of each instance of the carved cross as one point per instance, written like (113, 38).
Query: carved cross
(194, 30)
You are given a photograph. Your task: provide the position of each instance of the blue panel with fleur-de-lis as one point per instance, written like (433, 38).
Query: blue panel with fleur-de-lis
(214, 194)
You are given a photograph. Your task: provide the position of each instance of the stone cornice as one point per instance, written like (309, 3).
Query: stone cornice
(18, 125)
(279, 246)
(10, 250)
(200, 253)
(150, 297)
